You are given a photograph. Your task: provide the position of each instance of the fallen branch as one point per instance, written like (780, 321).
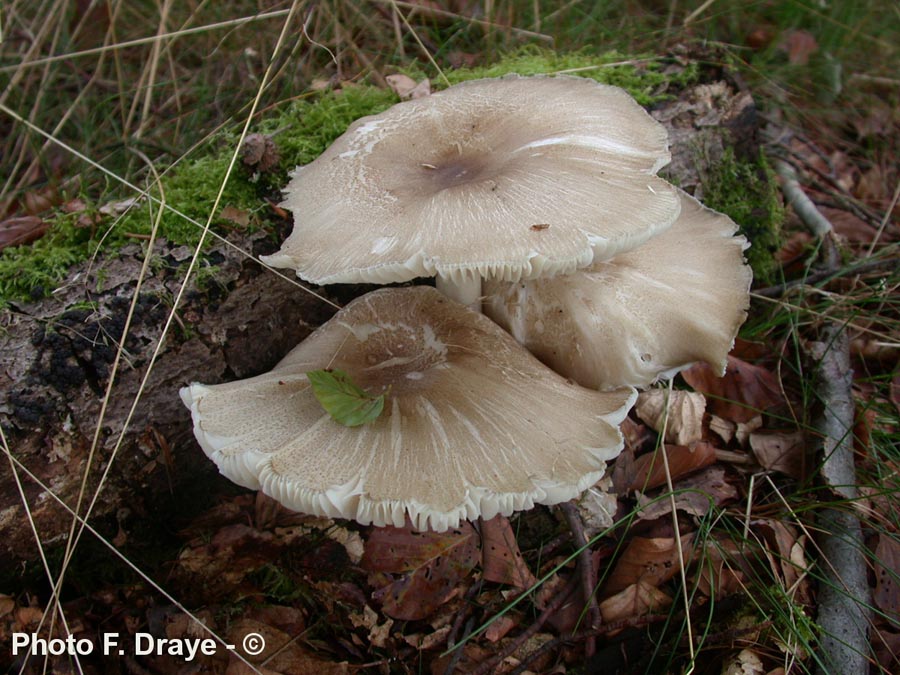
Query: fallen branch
(844, 590)
(586, 571)
(844, 595)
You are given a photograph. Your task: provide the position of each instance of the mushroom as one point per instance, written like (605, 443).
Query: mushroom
(473, 426)
(644, 315)
(510, 178)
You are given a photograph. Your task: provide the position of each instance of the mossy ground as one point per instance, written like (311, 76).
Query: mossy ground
(304, 127)
(748, 192)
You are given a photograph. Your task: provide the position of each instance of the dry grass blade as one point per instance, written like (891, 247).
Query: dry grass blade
(232, 23)
(678, 541)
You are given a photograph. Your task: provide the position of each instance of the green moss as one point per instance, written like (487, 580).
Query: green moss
(748, 193)
(31, 272)
(642, 76)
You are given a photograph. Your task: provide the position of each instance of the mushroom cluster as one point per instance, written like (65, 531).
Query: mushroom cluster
(546, 189)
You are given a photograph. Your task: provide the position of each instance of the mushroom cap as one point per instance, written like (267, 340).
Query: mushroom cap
(516, 177)
(642, 316)
(473, 424)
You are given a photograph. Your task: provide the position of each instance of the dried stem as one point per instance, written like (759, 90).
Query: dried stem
(586, 571)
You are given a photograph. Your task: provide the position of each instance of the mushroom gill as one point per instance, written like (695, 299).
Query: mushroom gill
(473, 425)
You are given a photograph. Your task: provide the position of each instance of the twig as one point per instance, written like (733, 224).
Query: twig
(546, 551)
(807, 212)
(457, 654)
(463, 612)
(844, 591)
(488, 665)
(838, 192)
(586, 570)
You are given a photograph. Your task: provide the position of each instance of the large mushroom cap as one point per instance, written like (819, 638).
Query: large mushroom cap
(512, 178)
(644, 315)
(473, 424)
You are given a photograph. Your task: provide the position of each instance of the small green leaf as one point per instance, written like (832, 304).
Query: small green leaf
(342, 399)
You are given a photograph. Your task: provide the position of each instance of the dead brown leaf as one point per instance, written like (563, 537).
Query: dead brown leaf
(650, 561)
(499, 628)
(744, 429)
(697, 494)
(849, 226)
(635, 433)
(745, 662)
(460, 59)
(7, 605)
(788, 557)
(794, 252)
(21, 230)
(472, 655)
(722, 571)
(40, 200)
(433, 640)
(501, 560)
(684, 421)
(650, 469)
(531, 645)
(887, 649)
(407, 88)
(120, 207)
(638, 599)
(597, 507)
(235, 215)
(784, 452)
(724, 429)
(623, 470)
(426, 568)
(743, 392)
(87, 217)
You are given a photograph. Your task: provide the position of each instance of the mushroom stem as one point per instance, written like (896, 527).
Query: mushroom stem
(465, 290)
